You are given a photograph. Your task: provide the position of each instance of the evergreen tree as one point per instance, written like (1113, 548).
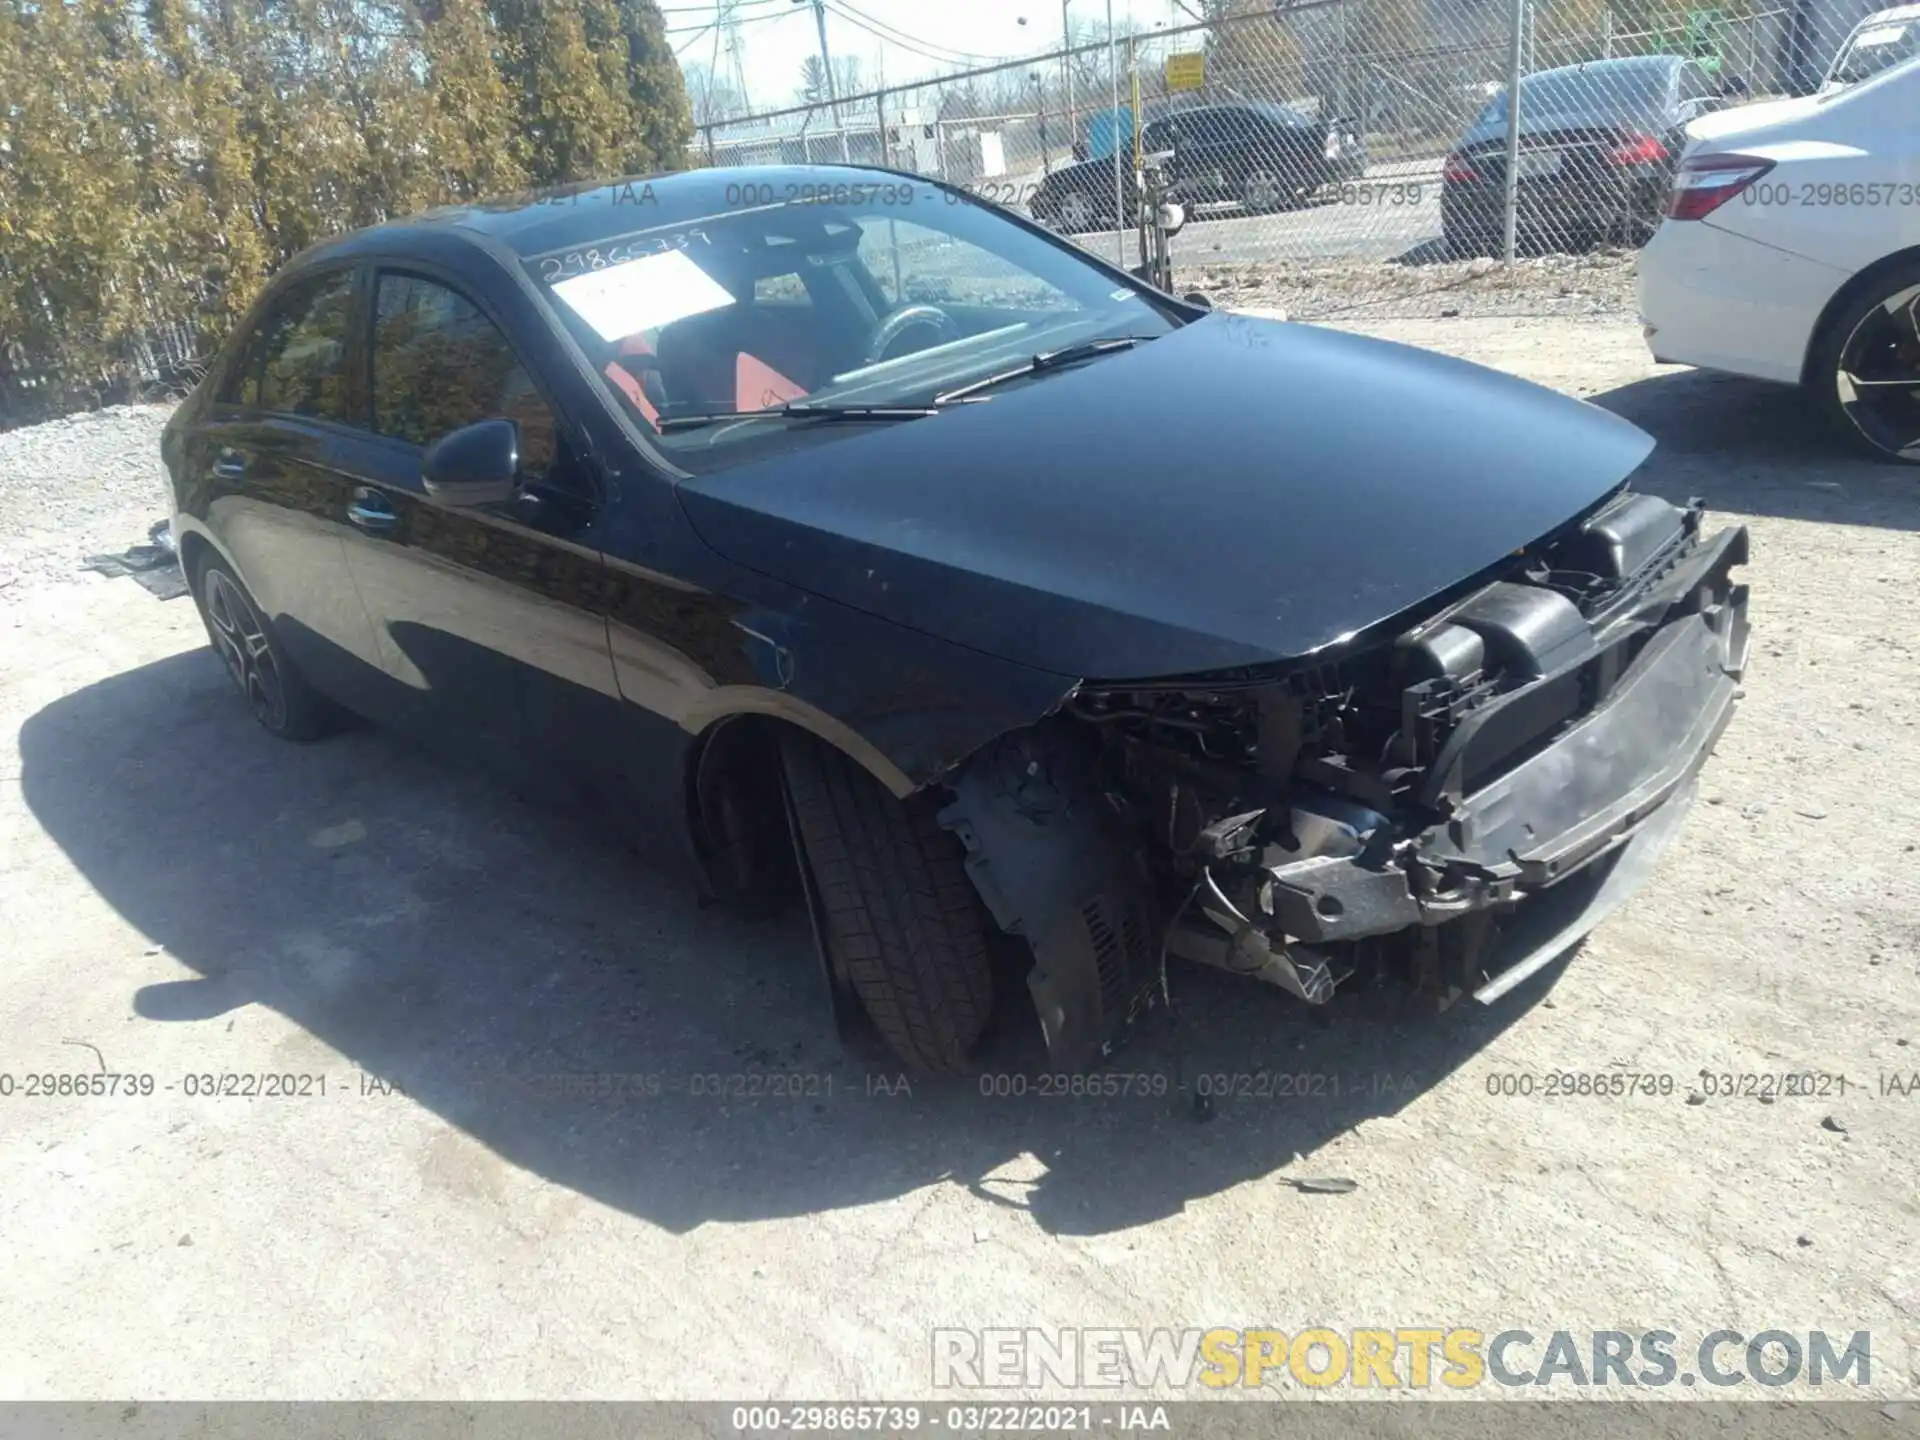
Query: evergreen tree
(1252, 50)
(470, 131)
(576, 118)
(662, 113)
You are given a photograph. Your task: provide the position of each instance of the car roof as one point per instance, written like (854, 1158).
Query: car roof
(1888, 16)
(540, 222)
(1619, 65)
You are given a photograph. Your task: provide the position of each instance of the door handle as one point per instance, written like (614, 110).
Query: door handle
(372, 512)
(230, 465)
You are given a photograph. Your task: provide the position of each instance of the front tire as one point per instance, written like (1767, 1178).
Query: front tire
(276, 693)
(1865, 368)
(903, 922)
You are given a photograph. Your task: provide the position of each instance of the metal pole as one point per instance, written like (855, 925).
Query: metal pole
(1119, 193)
(826, 67)
(1040, 111)
(1066, 72)
(1139, 178)
(880, 114)
(1511, 219)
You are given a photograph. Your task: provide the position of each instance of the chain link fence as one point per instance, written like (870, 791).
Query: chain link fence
(1333, 154)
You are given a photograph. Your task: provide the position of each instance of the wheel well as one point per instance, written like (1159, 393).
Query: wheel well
(1845, 296)
(737, 813)
(194, 553)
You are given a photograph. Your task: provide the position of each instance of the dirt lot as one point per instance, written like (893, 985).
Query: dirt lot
(184, 896)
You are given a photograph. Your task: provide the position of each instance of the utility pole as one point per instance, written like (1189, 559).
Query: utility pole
(1511, 207)
(736, 54)
(1066, 73)
(1119, 193)
(826, 66)
(826, 60)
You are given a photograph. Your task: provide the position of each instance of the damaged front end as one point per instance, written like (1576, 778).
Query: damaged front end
(1451, 807)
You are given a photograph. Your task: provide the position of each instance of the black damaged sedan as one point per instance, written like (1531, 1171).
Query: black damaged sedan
(875, 551)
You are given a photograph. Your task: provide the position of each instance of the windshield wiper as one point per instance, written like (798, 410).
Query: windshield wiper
(798, 412)
(1041, 363)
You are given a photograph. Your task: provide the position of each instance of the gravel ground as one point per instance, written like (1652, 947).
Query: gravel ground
(183, 895)
(1600, 282)
(84, 485)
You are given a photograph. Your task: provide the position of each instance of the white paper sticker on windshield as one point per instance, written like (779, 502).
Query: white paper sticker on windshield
(625, 299)
(1881, 35)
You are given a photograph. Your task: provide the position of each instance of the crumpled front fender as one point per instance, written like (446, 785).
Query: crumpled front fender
(1054, 867)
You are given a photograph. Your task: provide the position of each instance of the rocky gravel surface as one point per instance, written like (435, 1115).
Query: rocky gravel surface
(1597, 283)
(79, 486)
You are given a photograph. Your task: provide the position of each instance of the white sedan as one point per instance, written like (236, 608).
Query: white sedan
(1790, 251)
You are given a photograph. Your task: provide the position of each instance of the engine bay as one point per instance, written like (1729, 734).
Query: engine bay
(1309, 822)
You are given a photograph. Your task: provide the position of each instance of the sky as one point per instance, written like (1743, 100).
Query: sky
(778, 35)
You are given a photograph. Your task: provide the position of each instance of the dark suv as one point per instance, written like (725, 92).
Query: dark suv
(1262, 155)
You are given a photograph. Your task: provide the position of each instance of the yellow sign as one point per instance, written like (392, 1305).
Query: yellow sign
(1187, 72)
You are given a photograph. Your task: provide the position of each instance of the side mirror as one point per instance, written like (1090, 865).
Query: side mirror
(1173, 218)
(1197, 300)
(475, 465)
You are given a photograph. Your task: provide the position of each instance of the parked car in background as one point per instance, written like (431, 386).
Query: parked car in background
(802, 522)
(1259, 155)
(1598, 144)
(1791, 252)
(1877, 43)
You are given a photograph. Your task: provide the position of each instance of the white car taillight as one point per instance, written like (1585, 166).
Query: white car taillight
(1704, 183)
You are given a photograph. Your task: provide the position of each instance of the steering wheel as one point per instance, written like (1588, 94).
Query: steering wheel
(910, 317)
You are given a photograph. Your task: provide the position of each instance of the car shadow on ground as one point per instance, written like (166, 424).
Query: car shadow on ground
(428, 928)
(1759, 449)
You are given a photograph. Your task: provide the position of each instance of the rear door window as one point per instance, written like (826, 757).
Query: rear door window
(296, 362)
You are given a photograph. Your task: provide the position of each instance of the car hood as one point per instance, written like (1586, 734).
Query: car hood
(1238, 492)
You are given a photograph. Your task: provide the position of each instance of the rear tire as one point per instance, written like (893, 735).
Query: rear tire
(275, 691)
(1866, 341)
(1466, 244)
(1078, 214)
(904, 924)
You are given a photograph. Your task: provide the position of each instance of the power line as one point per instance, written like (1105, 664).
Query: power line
(919, 47)
(682, 49)
(697, 30)
(717, 5)
(901, 37)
